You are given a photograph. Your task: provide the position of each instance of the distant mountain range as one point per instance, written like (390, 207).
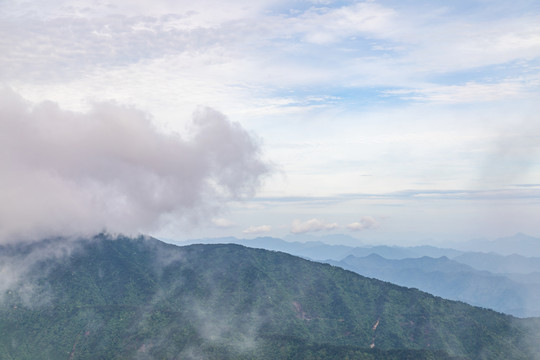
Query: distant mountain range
(519, 243)
(105, 298)
(452, 280)
(506, 283)
(316, 247)
(500, 264)
(319, 250)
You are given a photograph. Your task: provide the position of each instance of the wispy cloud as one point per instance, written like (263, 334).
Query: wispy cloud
(468, 93)
(402, 44)
(527, 191)
(323, 25)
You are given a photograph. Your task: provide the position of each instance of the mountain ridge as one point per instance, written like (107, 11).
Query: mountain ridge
(141, 298)
(451, 279)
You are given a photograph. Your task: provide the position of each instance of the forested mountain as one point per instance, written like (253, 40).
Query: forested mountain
(122, 298)
(509, 283)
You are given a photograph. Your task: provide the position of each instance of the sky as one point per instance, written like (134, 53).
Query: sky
(398, 122)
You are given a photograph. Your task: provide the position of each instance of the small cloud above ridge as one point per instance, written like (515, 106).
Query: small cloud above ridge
(222, 223)
(263, 229)
(311, 225)
(366, 222)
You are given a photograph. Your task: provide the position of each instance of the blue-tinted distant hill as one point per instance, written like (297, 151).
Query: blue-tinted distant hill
(452, 280)
(500, 264)
(319, 250)
(521, 244)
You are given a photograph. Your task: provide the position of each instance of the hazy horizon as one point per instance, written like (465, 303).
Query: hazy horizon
(392, 122)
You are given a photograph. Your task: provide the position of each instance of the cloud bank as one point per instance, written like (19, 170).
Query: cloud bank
(110, 169)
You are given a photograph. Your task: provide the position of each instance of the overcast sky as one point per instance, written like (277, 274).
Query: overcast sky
(390, 121)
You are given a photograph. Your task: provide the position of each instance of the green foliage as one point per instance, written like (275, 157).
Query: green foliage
(143, 299)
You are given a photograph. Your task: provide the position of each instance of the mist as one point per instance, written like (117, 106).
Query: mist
(111, 169)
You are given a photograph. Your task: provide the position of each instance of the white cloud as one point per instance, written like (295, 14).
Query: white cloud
(257, 229)
(222, 223)
(311, 225)
(366, 222)
(110, 169)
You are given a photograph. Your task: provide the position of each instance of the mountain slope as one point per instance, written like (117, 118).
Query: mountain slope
(143, 299)
(451, 280)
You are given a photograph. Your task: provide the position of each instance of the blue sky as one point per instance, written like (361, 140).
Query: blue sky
(390, 121)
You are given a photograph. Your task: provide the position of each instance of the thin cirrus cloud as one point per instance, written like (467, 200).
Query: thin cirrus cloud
(328, 25)
(397, 42)
(311, 225)
(68, 173)
(470, 92)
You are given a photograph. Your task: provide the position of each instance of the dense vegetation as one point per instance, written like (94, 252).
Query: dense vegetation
(144, 299)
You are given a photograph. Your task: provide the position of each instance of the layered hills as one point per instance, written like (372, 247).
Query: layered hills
(505, 283)
(451, 279)
(123, 298)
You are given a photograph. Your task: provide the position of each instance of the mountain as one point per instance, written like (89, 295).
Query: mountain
(511, 264)
(123, 298)
(399, 252)
(519, 243)
(317, 249)
(509, 284)
(452, 280)
(530, 278)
